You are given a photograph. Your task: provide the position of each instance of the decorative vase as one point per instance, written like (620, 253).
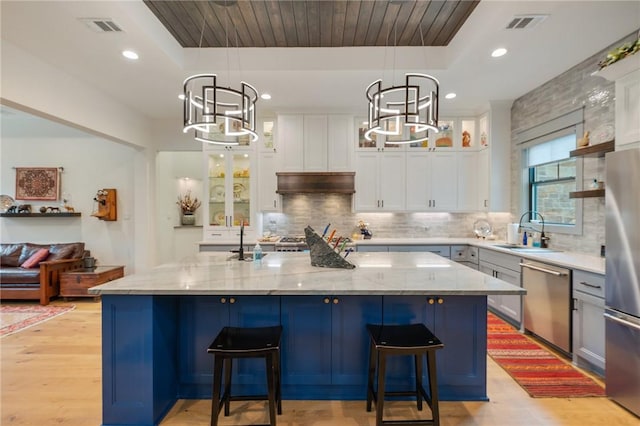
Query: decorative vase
(188, 219)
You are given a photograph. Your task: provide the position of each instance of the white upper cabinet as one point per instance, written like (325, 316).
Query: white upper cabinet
(315, 143)
(626, 74)
(431, 181)
(380, 181)
(290, 136)
(340, 143)
(468, 182)
(268, 165)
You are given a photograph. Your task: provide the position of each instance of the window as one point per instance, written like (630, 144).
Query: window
(549, 174)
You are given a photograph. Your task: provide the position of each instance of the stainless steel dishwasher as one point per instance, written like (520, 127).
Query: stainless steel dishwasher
(547, 305)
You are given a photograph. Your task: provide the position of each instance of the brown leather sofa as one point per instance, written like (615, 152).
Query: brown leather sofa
(39, 283)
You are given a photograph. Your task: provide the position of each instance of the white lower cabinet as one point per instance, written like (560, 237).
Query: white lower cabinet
(588, 321)
(507, 268)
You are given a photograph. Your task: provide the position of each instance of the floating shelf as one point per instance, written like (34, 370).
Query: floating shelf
(40, 214)
(597, 150)
(587, 194)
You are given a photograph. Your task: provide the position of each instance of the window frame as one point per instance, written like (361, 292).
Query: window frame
(570, 123)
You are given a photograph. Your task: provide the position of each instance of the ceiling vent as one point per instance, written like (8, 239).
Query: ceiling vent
(102, 25)
(520, 22)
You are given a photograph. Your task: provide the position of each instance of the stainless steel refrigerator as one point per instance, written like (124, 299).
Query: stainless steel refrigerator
(622, 284)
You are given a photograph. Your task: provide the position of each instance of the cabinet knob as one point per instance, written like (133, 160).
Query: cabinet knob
(431, 301)
(223, 300)
(232, 300)
(440, 301)
(336, 301)
(326, 300)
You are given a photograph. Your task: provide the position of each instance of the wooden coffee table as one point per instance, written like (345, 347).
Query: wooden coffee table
(75, 283)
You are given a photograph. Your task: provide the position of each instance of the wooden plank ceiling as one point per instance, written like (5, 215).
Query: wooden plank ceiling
(312, 23)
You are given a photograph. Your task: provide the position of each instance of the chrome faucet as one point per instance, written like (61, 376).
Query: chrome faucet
(544, 240)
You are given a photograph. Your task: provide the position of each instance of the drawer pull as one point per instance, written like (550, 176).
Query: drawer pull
(590, 285)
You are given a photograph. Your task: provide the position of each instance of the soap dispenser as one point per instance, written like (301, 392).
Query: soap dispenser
(257, 253)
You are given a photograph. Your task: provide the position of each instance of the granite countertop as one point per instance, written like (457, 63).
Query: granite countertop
(213, 273)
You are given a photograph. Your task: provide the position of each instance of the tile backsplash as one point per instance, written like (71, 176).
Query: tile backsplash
(317, 210)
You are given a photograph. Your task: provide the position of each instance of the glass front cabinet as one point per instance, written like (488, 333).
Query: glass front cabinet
(229, 193)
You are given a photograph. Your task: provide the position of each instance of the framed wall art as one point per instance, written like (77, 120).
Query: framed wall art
(37, 183)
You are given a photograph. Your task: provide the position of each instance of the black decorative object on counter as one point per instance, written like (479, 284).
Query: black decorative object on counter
(322, 254)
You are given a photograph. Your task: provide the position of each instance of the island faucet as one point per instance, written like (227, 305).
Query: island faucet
(241, 251)
(544, 240)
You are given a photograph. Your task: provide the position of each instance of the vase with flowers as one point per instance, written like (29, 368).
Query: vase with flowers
(188, 206)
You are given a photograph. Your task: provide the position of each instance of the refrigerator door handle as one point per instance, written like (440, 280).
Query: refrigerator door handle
(621, 321)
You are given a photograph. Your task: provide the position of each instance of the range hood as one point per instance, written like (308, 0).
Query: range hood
(316, 182)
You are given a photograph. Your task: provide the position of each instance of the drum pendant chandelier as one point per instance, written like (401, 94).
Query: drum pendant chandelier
(403, 112)
(219, 115)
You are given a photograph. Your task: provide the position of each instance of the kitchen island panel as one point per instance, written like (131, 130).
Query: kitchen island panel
(460, 323)
(201, 318)
(139, 358)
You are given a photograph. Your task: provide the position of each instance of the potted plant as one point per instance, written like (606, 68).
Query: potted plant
(188, 207)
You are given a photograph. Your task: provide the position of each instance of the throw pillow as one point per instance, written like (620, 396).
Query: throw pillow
(34, 260)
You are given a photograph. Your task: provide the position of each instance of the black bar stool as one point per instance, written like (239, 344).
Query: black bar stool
(412, 339)
(236, 342)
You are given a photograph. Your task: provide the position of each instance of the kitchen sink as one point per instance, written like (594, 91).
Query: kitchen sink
(523, 249)
(248, 257)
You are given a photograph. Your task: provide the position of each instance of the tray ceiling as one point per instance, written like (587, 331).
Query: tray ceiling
(312, 23)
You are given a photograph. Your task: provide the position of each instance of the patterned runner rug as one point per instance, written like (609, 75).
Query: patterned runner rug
(541, 373)
(14, 318)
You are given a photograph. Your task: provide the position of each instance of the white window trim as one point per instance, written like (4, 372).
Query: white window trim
(566, 124)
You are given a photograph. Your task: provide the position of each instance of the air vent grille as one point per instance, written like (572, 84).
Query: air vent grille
(102, 25)
(520, 22)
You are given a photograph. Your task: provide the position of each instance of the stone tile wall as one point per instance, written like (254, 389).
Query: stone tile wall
(573, 89)
(317, 210)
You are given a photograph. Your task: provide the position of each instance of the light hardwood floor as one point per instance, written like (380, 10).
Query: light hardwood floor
(50, 375)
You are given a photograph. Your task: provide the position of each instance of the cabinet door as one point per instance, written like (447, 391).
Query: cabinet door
(483, 180)
(460, 323)
(195, 363)
(269, 200)
(290, 136)
(628, 109)
(589, 329)
(510, 305)
(467, 181)
(240, 192)
(444, 181)
(350, 342)
(315, 143)
(493, 300)
(340, 143)
(392, 182)
(251, 311)
(366, 181)
(418, 181)
(306, 340)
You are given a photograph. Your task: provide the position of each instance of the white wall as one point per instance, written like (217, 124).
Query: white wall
(89, 164)
(31, 84)
(176, 173)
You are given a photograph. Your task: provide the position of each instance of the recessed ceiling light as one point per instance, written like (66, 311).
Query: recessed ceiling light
(499, 52)
(130, 54)
(265, 96)
(450, 95)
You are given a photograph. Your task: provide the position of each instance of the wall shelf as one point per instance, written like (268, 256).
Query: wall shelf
(598, 150)
(587, 194)
(40, 214)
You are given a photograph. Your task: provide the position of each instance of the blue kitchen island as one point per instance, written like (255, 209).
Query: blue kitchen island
(157, 325)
